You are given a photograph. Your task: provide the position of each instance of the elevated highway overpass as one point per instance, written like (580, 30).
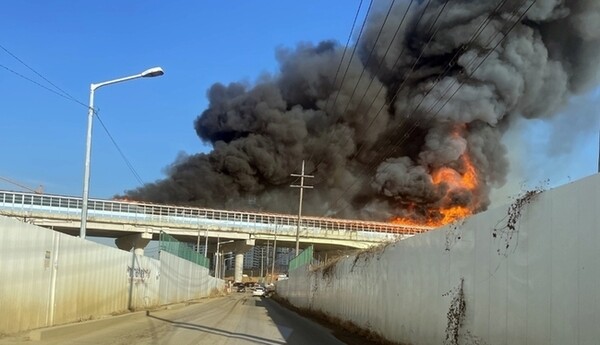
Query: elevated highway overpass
(119, 219)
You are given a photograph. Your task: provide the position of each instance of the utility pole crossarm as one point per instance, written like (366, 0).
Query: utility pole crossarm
(302, 187)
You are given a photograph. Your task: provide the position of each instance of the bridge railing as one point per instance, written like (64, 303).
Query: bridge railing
(137, 210)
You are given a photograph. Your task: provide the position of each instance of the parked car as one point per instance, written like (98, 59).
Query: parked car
(258, 291)
(239, 287)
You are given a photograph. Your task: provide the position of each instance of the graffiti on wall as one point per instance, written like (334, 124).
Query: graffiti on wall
(138, 273)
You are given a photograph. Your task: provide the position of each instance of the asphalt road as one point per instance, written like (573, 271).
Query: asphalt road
(235, 319)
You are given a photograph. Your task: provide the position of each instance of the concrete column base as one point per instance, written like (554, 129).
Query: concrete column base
(239, 248)
(136, 241)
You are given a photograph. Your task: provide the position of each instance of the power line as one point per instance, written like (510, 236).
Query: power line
(441, 76)
(344, 55)
(36, 83)
(405, 136)
(127, 162)
(337, 72)
(69, 97)
(380, 64)
(38, 190)
(406, 77)
(460, 86)
(362, 27)
(41, 76)
(373, 50)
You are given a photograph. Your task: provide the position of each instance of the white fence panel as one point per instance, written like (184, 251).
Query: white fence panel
(534, 283)
(92, 279)
(145, 280)
(26, 273)
(182, 280)
(49, 278)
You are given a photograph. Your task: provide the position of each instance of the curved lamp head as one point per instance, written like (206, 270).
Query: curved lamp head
(153, 72)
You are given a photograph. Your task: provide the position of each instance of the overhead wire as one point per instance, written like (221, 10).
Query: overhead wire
(455, 92)
(366, 62)
(438, 79)
(326, 108)
(36, 83)
(337, 72)
(449, 87)
(414, 126)
(68, 96)
(127, 162)
(64, 94)
(392, 148)
(406, 76)
(380, 64)
(362, 27)
(19, 185)
(441, 76)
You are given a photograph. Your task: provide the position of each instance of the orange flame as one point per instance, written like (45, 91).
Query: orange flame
(122, 199)
(454, 180)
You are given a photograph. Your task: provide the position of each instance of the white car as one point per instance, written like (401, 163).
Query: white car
(258, 291)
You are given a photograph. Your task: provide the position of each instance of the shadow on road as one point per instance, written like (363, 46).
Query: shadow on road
(299, 329)
(221, 332)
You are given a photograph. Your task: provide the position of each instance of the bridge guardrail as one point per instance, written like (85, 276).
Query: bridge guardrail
(62, 204)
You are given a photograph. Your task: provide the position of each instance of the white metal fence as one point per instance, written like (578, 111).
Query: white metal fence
(527, 274)
(49, 278)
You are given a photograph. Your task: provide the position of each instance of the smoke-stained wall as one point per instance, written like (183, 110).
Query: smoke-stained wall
(526, 273)
(395, 129)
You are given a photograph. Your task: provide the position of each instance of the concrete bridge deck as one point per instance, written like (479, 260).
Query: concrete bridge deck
(112, 218)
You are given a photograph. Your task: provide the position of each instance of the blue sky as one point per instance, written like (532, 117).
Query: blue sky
(197, 43)
(75, 43)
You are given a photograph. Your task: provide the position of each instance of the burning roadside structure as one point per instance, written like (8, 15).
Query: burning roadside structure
(406, 129)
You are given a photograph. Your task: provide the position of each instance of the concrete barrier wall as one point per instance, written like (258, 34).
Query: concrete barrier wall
(527, 273)
(49, 278)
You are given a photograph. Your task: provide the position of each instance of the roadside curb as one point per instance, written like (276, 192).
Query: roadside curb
(91, 325)
(82, 327)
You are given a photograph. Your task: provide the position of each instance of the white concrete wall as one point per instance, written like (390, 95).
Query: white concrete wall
(49, 278)
(537, 284)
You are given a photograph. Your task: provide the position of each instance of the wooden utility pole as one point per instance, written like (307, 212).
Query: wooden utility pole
(302, 187)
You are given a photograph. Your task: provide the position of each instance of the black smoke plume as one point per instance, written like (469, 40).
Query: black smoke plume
(434, 94)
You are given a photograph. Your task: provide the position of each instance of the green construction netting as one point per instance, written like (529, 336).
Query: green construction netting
(183, 250)
(305, 258)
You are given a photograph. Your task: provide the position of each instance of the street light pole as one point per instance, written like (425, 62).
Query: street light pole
(198, 242)
(218, 260)
(206, 245)
(274, 253)
(152, 72)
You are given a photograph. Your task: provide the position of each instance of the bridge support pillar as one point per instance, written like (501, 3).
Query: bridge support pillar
(136, 241)
(239, 248)
(239, 266)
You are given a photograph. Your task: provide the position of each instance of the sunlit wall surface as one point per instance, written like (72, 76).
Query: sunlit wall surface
(527, 273)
